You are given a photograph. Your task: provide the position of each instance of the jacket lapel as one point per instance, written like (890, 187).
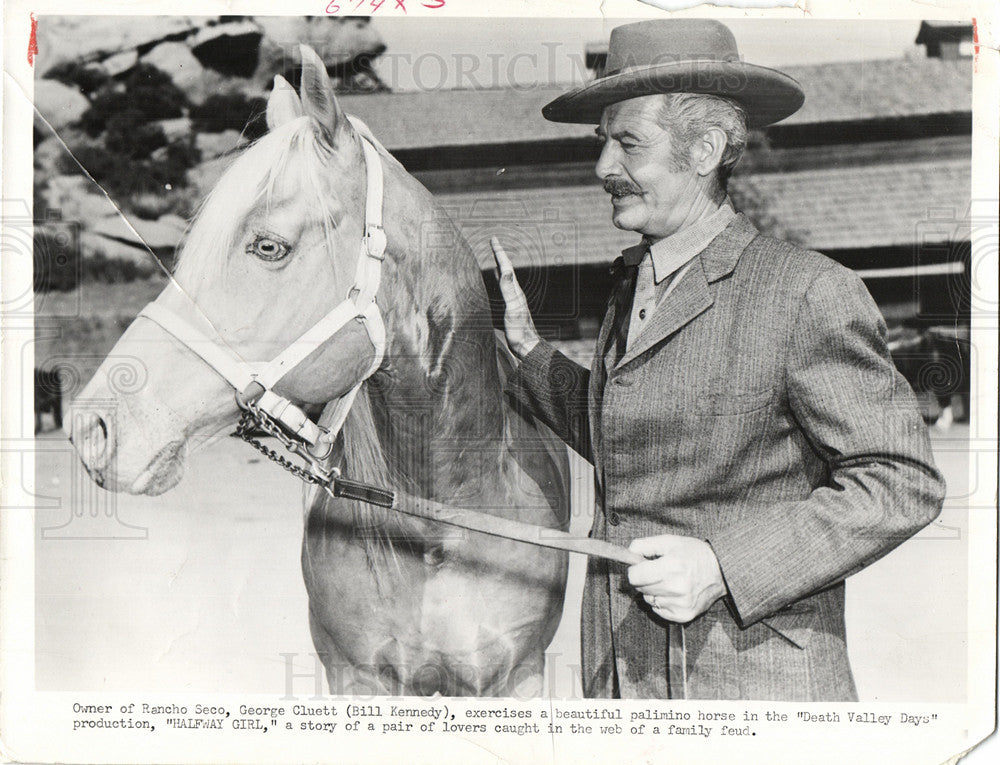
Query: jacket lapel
(689, 298)
(692, 295)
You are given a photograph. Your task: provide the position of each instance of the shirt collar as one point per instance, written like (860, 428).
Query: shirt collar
(671, 253)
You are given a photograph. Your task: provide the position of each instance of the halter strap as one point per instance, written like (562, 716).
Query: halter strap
(360, 302)
(256, 379)
(212, 350)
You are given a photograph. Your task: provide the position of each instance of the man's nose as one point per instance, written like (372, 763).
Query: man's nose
(607, 164)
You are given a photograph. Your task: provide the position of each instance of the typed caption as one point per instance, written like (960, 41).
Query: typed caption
(468, 718)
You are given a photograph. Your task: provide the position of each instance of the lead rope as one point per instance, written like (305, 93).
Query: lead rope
(331, 481)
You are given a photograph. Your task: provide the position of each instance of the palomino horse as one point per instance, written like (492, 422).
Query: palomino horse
(398, 605)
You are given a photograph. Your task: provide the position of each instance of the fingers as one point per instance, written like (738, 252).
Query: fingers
(518, 326)
(503, 262)
(647, 573)
(652, 547)
(656, 568)
(681, 577)
(512, 293)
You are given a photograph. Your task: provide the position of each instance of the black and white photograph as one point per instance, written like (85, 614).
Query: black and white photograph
(614, 382)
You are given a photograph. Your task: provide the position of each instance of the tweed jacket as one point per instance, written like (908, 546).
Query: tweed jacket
(759, 411)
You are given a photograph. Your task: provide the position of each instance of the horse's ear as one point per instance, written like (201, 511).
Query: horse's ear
(283, 104)
(316, 92)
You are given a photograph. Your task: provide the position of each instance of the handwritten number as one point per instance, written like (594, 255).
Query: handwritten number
(334, 6)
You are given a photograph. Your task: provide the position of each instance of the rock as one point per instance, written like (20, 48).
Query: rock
(78, 199)
(177, 61)
(94, 246)
(204, 177)
(47, 158)
(52, 158)
(175, 129)
(159, 155)
(93, 38)
(161, 236)
(338, 41)
(230, 48)
(96, 73)
(151, 205)
(120, 63)
(59, 104)
(212, 145)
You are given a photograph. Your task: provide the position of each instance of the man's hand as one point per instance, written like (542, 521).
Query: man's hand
(517, 324)
(681, 580)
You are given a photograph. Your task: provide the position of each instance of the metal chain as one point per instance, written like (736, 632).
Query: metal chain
(254, 417)
(329, 479)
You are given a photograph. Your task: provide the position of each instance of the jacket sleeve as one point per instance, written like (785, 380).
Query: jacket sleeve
(860, 417)
(555, 389)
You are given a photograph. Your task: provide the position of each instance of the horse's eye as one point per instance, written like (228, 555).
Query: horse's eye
(268, 247)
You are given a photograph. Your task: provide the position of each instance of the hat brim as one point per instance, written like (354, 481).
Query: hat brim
(766, 95)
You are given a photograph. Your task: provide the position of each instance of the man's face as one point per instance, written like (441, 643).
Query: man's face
(651, 181)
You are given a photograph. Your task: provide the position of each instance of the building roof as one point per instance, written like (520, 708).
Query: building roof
(868, 90)
(931, 30)
(824, 209)
(424, 119)
(837, 92)
(821, 209)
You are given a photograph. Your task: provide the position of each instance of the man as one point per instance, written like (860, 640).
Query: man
(750, 435)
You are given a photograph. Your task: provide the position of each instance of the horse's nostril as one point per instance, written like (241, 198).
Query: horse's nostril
(89, 434)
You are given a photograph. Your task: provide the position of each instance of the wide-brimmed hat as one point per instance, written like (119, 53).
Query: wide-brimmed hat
(679, 56)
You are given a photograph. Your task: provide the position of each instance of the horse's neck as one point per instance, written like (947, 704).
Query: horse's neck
(438, 404)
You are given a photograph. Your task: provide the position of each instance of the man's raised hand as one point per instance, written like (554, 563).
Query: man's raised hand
(518, 326)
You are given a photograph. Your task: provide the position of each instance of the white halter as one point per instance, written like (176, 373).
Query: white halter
(253, 381)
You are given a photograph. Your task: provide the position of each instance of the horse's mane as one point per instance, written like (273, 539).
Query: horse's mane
(365, 459)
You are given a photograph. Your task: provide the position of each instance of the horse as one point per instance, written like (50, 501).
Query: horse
(397, 605)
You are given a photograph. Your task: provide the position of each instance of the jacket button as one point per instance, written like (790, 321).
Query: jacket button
(642, 313)
(613, 518)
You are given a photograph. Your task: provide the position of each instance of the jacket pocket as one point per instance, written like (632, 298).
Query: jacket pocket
(717, 403)
(796, 625)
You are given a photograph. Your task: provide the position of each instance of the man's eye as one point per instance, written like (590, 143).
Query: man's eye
(268, 247)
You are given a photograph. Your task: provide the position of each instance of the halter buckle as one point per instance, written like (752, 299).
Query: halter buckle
(375, 241)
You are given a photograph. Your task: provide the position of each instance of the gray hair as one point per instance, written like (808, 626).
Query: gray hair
(687, 115)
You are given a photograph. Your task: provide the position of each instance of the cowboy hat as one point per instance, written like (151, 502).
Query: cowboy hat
(679, 56)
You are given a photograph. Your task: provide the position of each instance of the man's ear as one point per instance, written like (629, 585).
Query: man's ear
(707, 150)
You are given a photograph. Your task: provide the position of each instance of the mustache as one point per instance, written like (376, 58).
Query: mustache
(618, 187)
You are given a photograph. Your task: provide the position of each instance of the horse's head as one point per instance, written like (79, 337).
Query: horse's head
(272, 250)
